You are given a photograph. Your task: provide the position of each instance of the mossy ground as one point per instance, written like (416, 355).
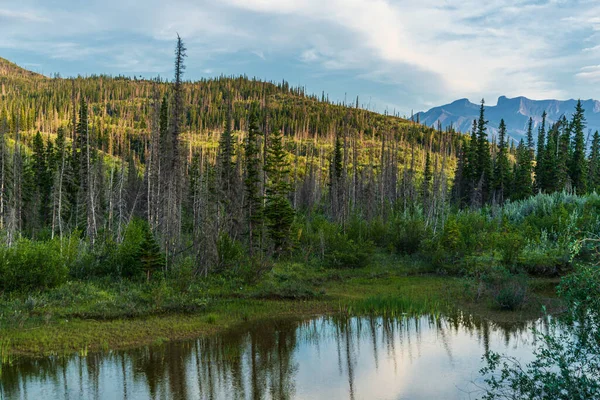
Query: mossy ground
(388, 286)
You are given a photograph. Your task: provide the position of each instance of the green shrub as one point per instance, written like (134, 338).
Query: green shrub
(508, 291)
(30, 265)
(342, 252)
(409, 234)
(232, 254)
(510, 245)
(286, 289)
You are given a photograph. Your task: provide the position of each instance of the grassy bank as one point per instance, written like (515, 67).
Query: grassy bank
(98, 316)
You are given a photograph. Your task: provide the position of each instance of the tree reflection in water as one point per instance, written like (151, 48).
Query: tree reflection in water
(327, 357)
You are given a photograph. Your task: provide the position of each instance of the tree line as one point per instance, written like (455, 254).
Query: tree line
(489, 173)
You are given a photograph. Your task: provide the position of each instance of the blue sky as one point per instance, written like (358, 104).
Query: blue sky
(394, 54)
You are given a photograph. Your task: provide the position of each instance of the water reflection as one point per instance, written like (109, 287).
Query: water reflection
(324, 358)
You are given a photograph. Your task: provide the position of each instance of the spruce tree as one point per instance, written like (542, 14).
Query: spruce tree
(522, 187)
(563, 157)
(530, 143)
(540, 167)
(42, 181)
(254, 201)
(502, 171)
(550, 160)
(427, 178)
(578, 168)
(459, 188)
(278, 209)
(594, 164)
(150, 256)
(484, 163)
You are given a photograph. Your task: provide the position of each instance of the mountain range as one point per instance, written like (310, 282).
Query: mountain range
(515, 111)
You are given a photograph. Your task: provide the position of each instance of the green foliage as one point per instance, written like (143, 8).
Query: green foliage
(409, 233)
(566, 362)
(342, 252)
(284, 286)
(232, 255)
(508, 291)
(278, 209)
(32, 265)
(510, 245)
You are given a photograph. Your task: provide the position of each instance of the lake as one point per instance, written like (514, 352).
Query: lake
(330, 358)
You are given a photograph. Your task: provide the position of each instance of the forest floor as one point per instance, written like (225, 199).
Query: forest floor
(97, 316)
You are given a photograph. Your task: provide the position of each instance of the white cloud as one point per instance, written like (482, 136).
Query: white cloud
(590, 74)
(21, 15)
(432, 51)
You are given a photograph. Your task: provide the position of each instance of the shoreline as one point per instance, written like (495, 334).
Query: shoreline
(391, 295)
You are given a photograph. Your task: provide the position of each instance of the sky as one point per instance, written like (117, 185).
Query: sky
(395, 55)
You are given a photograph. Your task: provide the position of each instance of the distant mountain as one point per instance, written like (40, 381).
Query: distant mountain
(516, 113)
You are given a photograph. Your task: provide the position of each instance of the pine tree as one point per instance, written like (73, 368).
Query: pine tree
(502, 171)
(594, 164)
(278, 209)
(549, 160)
(335, 177)
(459, 188)
(484, 163)
(252, 180)
(530, 142)
(522, 187)
(427, 178)
(563, 157)
(540, 166)
(42, 181)
(578, 168)
(173, 168)
(150, 256)
(471, 165)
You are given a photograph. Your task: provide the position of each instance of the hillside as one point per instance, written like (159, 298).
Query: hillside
(122, 111)
(515, 112)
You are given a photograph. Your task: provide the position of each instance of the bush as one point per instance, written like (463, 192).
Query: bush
(510, 245)
(232, 254)
(30, 265)
(287, 289)
(508, 291)
(342, 252)
(409, 234)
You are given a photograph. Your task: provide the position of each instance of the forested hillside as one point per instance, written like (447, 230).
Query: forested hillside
(201, 162)
(231, 174)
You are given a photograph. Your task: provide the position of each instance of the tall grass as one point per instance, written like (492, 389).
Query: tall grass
(392, 306)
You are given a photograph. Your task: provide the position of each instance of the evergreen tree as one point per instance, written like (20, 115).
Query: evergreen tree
(562, 178)
(530, 142)
(254, 201)
(594, 164)
(42, 181)
(522, 187)
(502, 166)
(427, 178)
(549, 160)
(540, 166)
(471, 165)
(459, 188)
(150, 256)
(336, 177)
(278, 209)
(484, 163)
(578, 168)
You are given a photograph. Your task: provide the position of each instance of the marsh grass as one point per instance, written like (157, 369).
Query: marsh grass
(102, 316)
(391, 306)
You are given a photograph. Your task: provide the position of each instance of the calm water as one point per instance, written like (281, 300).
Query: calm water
(324, 358)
